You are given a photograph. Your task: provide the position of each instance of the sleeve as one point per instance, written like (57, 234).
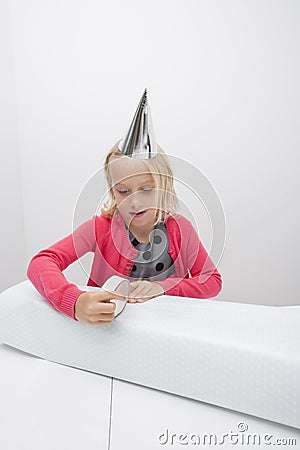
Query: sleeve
(204, 282)
(45, 268)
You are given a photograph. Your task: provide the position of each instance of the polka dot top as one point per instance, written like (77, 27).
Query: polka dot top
(153, 262)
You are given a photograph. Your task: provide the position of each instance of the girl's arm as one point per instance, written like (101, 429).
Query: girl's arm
(45, 268)
(205, 280)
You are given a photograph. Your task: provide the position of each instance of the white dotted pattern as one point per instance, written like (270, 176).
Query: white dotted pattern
(242, 357)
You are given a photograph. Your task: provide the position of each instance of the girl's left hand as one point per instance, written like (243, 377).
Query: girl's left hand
(142, 290)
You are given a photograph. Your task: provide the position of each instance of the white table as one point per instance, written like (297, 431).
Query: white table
(49, 406)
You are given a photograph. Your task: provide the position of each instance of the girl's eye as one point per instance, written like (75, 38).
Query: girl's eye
(143, 190)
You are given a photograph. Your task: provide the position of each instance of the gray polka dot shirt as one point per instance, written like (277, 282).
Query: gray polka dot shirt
(153, 262)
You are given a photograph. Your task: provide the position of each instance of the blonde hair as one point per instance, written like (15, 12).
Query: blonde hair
(163, 179)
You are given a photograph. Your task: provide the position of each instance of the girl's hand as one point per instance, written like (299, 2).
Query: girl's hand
(142, 290)
(95, 308)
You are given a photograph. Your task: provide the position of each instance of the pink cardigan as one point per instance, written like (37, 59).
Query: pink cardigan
(195, 274)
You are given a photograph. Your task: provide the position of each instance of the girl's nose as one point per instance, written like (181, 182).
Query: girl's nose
(135, 202)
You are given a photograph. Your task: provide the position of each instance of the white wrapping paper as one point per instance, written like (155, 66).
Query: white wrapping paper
(238, 356)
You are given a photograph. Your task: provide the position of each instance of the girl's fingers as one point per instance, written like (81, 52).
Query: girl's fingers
(141, 289)
(140, 295)
(136, 294)
(135, 284)
(101, 322)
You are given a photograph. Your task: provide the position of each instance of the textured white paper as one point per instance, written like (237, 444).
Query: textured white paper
(239, 356)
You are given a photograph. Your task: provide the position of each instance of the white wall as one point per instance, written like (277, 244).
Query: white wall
(12, 236)
(223, 80)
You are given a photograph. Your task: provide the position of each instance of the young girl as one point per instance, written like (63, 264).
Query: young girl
(138, 236)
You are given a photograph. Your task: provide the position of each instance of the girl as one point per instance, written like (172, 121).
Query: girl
(138, 217)
(138, 236)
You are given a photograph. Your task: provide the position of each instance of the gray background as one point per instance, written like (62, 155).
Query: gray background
(223, 81)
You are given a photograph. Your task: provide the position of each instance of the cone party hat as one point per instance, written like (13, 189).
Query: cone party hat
(140, 141)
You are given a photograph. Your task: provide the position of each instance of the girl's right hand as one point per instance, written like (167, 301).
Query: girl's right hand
(94, 308)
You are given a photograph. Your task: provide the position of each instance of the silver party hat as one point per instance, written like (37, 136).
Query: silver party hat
(140, 140)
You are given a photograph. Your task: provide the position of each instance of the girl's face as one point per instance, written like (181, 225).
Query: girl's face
(134, 190)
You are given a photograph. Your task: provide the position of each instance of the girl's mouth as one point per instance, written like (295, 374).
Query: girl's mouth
(139, 214)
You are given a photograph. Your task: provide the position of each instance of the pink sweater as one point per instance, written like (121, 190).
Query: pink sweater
(195, 274)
